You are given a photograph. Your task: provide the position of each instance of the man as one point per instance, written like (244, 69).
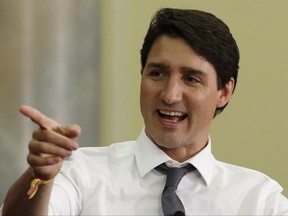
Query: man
(189, 72)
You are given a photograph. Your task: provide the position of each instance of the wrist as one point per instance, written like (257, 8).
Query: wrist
(36, 182)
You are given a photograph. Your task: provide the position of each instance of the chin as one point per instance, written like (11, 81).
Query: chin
(169, 143)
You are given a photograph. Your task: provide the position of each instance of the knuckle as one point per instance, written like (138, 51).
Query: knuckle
(34, 146)
(40, 134)
(31, 145)
(46, 134)
(35, 134)
(31, 160)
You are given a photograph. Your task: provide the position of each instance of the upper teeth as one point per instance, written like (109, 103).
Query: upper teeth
(171, 113)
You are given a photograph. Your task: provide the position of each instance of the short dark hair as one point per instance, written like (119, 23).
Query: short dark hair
(209, 36)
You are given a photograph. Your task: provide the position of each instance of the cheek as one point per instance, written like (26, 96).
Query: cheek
(148, 90)
(203, 102)
(145, 97)
(149, 97)
(143, 94)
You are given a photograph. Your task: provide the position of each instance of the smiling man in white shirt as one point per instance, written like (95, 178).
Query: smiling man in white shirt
(189, 73)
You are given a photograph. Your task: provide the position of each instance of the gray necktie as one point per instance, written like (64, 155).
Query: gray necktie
(171, 204)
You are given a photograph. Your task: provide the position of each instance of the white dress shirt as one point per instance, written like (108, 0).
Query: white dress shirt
(121, 180)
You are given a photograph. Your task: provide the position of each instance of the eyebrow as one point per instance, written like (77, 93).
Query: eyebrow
(157, 65)
(183, 69)
(193, 71)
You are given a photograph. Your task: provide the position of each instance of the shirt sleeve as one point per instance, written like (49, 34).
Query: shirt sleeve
(276, 203)
(65, 198)
(67, 192)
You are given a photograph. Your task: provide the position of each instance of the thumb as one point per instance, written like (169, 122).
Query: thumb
(71, 131)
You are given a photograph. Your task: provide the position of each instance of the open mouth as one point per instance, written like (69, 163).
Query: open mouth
(172, 116)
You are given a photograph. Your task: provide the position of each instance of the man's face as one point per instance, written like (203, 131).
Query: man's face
(178, 95)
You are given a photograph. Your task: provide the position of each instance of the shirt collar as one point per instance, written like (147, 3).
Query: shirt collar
(148, 155)
(203, 161)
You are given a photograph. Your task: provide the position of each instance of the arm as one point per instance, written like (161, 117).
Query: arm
(276, 203)
(50, 145)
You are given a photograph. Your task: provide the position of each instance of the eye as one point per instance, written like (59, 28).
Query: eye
(156, 74)
(191, 80)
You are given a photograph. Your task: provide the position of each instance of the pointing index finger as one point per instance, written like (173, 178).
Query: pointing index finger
(39, 118)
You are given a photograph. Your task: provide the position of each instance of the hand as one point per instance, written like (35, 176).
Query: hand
(51, 143)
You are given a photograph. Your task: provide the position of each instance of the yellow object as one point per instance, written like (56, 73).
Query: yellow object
(35, 184)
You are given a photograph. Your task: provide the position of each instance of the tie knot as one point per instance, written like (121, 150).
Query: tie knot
(174, 175)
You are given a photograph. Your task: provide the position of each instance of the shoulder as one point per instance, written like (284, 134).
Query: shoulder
(244, 175)
(231, 169)
(87, 158)
(120, 149)
(90, 164)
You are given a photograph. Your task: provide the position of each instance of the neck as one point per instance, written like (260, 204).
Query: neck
(183, 153)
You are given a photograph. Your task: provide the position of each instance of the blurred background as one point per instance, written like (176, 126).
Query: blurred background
(78, 61)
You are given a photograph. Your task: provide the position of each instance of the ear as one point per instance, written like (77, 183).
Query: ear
(225, 93)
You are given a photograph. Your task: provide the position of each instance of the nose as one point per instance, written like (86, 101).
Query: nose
(172, 91)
